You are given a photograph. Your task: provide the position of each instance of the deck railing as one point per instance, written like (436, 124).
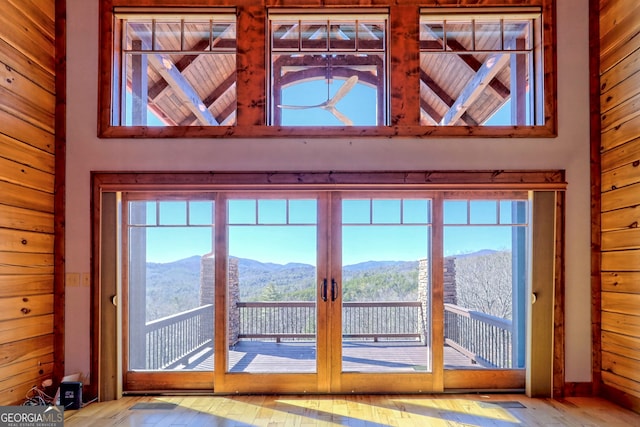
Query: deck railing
(172, 339)
(483, 338)
(365, 320)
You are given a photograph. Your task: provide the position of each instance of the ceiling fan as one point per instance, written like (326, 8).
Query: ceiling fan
(330, 103)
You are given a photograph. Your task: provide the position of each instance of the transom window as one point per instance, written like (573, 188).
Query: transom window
(328, 70)
(480, 69)
(178, 69)
(247, 70)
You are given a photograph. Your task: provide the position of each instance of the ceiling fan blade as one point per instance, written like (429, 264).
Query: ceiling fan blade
(344, 119)
(301, 107)
(343, 90)
(329, 105)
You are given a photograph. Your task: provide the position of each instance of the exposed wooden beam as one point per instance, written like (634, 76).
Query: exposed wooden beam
(430, 111)
(436, 88)
(227, 113)
(226, 84)
(444, 97)
(476, 85)
(180, 65)
(187, 59)
(475, 65)
(469, 59)
(315, 73)
(182, 88)
(308, 60)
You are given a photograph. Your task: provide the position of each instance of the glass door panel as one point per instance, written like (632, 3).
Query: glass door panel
(386, 285)
(169, 301)
(272, 285)
(485, 283)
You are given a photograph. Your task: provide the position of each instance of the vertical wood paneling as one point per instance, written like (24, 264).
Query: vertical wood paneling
(619, 172)
(27, 165)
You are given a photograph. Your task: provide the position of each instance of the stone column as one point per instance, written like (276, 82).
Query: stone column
(450, 292)
(424, 291)
(233, 296)
(207, 293)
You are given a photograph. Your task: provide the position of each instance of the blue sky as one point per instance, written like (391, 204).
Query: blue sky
(359, 104)
(272, 244)
(282, 244)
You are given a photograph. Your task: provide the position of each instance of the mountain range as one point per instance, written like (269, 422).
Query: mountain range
(175, 286)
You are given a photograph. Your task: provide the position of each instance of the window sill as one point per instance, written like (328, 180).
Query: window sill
(418, 132)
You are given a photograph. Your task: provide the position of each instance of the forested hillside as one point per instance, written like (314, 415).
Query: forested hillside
(483, 283)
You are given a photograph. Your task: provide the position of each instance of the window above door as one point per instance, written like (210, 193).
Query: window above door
(248, 69)
(328, 69)
(481, 68)
(177, 68)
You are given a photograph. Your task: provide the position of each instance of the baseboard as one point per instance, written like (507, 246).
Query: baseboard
(621, 398)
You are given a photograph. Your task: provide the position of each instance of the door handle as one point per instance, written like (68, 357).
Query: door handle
(324, 290)
(334, 290)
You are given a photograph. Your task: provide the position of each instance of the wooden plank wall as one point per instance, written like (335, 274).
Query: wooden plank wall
(619, 23)
(27, 164)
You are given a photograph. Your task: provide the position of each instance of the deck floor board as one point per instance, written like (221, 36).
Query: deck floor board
(358, 356)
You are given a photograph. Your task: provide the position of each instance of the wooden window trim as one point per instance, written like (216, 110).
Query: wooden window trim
(461, 182)
(252, 76)
(479, 184)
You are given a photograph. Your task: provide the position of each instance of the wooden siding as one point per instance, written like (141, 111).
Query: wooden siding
(27, 166)
(619, 296)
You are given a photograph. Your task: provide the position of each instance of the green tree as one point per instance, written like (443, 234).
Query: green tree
(271, 293)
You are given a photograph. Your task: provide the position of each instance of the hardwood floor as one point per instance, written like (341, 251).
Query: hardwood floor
(500, 410)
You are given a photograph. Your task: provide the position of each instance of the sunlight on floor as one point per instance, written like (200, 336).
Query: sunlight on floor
(500, 410)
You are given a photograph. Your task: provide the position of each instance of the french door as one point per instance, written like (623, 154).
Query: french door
(323, 293)
(327, 291)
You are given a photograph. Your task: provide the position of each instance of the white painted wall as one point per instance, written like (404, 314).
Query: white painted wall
(570, 151)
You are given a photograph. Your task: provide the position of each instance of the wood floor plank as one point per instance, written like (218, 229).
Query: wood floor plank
(354, 410)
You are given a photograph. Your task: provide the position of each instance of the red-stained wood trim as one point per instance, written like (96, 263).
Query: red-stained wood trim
(105, 84)
(310, 132)
(277, 181)
(251, 84)
(595, 139)
(404, 58)
(252, 68)
(59, 193)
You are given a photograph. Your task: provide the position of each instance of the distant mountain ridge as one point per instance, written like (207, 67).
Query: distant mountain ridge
(174, 286)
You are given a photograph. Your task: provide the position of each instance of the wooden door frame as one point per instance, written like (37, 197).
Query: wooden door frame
(357, 382)
(272, 382)
(548, 180)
